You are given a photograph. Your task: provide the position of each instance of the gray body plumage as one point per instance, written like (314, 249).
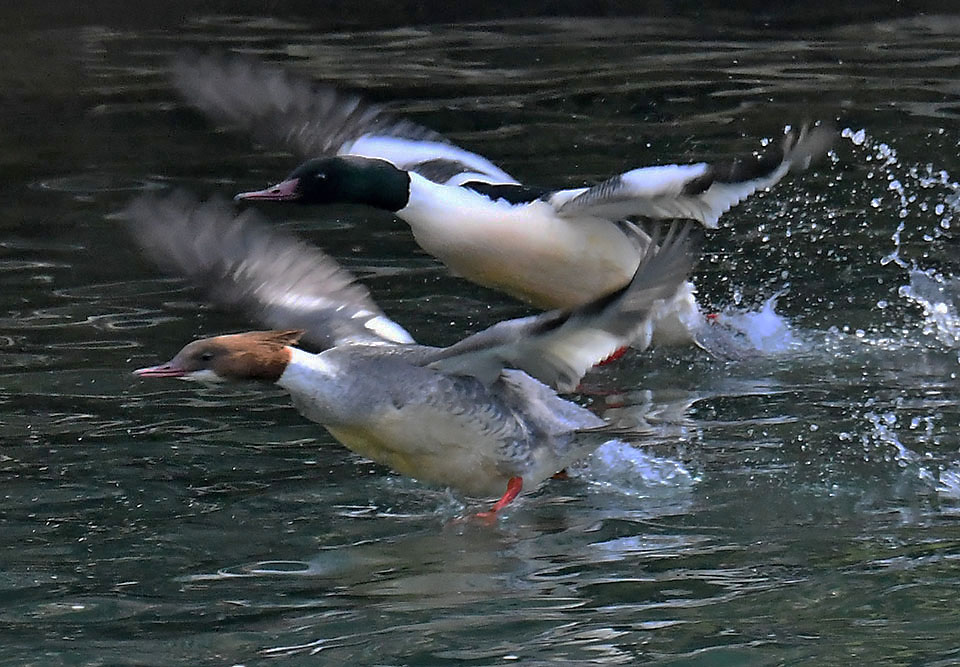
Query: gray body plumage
(447, 429)
(473, 415)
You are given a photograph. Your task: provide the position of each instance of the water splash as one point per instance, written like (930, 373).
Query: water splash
(948, 486)
(884, 432)
(939, 297)
(928, 199)
(629, 470)
(738, 332)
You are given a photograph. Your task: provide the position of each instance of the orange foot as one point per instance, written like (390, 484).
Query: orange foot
(514, 486)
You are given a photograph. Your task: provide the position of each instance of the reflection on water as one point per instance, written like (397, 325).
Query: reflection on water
(794, 506)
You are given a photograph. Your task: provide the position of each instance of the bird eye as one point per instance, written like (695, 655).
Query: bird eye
(320, 176)
(206, 356)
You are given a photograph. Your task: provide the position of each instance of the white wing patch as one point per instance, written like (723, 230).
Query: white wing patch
(405, 153)
(662, 181)
(657, 192)
(386, 328)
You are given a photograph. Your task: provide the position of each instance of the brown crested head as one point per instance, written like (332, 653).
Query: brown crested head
(254, 355)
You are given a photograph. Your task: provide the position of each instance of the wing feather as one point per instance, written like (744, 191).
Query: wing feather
(310, 120)
(241, 262)
(558, 347)
(700, 192)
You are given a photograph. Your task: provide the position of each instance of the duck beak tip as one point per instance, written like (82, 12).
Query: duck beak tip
(283, 191)
(161, 371)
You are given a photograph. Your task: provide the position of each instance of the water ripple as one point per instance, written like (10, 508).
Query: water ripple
(754, 498)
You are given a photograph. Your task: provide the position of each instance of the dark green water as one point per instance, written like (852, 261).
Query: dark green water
(798, 508)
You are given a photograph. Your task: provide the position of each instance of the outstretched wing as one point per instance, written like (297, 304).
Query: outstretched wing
(242, 263)
(560, 346)
(701, 192)
(292, 113)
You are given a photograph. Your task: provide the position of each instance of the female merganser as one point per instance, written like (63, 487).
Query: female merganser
(480, 416)
(551, 248)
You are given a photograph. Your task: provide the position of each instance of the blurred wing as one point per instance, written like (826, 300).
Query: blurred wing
(311, 120)
(559, 347)
(242, 263)
(701, 192)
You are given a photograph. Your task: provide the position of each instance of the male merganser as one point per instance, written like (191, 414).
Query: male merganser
(480, 416)
(551, 248)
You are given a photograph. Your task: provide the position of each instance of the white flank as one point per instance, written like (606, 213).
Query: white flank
(581, 350)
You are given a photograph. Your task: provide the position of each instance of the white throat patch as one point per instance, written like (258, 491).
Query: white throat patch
(206, 376)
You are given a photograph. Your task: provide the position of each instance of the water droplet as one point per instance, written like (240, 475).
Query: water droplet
(857, 137)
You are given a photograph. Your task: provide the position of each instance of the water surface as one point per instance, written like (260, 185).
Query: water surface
(792, 507)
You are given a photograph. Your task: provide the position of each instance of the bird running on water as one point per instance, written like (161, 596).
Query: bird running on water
(482, 416)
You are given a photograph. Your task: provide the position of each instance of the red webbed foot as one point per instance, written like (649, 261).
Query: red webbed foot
(514, 486)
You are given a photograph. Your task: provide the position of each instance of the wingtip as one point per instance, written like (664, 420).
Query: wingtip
(183, 69)
(810, 144)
